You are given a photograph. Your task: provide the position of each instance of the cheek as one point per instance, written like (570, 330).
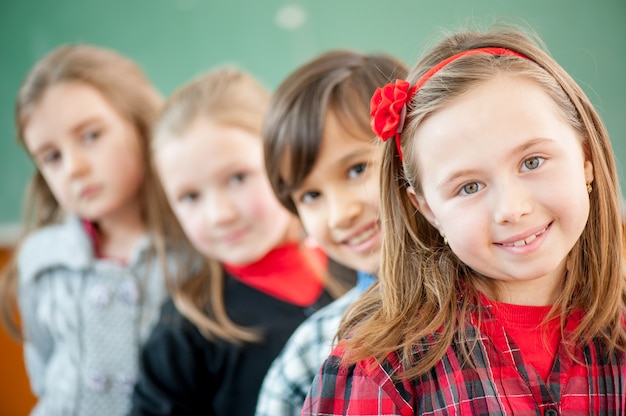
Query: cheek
(131, 170)
(468, 236)
(573, 210)
(314, 226)
(188, 226)
(372, 187)
(373, 199)
(259, 208)
(462, 225)
(55, 184)
(191, 223)
(261, 205)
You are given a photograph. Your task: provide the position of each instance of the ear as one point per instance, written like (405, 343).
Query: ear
(588, 171)
(422, 206)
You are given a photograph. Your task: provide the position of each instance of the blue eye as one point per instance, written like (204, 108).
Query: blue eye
(470, 188)
(533, 163)
(357, 170)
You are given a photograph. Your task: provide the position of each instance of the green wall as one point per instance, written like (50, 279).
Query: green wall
(174, 40)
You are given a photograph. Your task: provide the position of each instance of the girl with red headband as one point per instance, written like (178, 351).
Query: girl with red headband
(502, 283)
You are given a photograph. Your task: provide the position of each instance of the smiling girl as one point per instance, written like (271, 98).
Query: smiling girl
(259, 280)
(502, 279)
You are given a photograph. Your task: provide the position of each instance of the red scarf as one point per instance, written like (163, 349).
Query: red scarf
(289, 272)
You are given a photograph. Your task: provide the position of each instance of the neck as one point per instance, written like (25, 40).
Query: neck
(537, 292)
(293, 233)
(120, 233)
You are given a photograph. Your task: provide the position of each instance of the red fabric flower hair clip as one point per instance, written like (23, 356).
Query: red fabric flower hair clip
(388, 110)
(388, 104)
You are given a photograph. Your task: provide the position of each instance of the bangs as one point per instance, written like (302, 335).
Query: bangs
(294, 160)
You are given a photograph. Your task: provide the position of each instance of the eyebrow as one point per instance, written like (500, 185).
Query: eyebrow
(519, 149)
(88, 120)
(350, 157)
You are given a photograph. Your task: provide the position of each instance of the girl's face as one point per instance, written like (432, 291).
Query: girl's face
(215, 181)
(338, 201)
(504, 179)
(87, 152)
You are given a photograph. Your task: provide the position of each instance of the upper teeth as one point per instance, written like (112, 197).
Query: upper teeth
(363, 236)
(525, 241)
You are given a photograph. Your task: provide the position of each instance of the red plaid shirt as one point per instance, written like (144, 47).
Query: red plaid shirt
(498, 383)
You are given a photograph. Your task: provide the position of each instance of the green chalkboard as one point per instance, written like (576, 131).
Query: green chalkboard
(174, 40)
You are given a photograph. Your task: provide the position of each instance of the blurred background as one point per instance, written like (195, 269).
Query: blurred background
(175, 40)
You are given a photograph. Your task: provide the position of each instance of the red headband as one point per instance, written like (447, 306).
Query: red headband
(388, 104)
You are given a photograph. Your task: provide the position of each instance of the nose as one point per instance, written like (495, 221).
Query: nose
(76, 163)
(511, 201)
(343, 209)
(220, 208)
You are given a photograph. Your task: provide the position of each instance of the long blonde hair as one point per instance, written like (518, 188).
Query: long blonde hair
(123, 84)
(424, 288)
(230, 97)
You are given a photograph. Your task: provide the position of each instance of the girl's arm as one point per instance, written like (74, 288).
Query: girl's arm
(38, 341)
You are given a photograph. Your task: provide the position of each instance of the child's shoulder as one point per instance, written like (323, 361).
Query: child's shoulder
(320, 328)
(173, 327)
(65, 243)
(170, 315)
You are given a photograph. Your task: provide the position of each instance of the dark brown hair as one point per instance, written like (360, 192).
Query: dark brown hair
(341, 81)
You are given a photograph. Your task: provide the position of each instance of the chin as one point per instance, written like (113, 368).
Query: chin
(242, 260)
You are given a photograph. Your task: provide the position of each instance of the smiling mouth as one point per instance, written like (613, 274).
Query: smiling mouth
(526, 240)
(364, 236)
(233, 237)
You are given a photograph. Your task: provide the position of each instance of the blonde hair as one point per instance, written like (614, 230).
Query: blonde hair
(424, 288)
(230, 97)
(122, 83)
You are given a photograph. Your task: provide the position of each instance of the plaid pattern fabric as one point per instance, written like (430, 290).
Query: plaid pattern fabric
(292, 372)
(497, 383)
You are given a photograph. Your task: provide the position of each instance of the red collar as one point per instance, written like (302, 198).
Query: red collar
(291, 272)
(91, 228)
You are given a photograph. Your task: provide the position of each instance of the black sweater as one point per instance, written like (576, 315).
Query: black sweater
(183, 373)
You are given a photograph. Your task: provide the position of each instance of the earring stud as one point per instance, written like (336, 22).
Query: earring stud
(589, 188)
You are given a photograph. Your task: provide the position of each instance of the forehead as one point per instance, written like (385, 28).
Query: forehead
(495, 116)
(210, 147)
(492, 106)
(64, 105)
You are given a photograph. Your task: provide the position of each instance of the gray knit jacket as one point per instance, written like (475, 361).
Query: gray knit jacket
(84, 320)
